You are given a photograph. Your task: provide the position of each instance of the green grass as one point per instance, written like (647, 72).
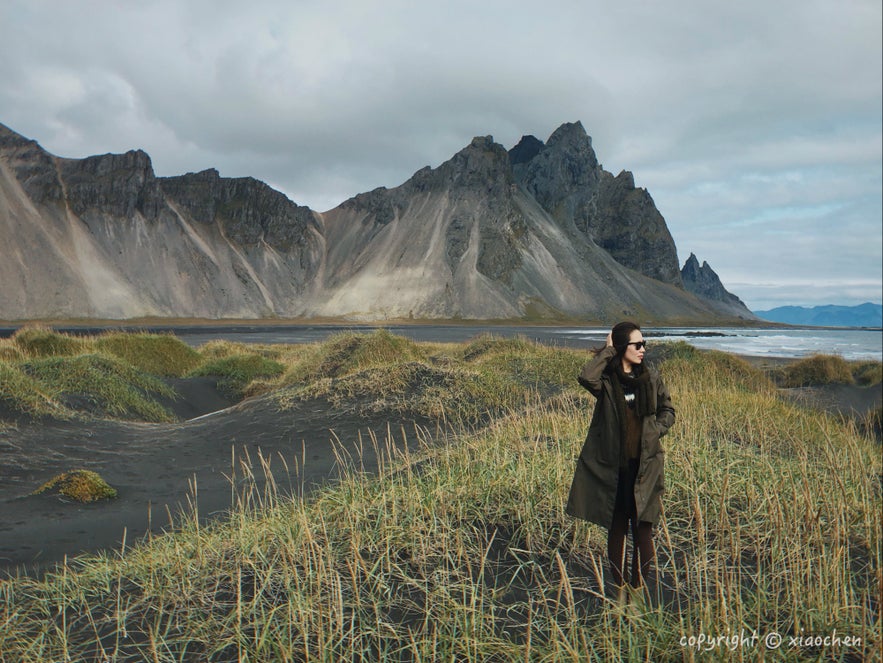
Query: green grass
(101, 385)
(26, 396)
(348, 352)
(238, 372)
(462, 551)
(159, 354)
(36, 341)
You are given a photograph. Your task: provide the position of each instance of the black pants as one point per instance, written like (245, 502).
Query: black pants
(625, 513)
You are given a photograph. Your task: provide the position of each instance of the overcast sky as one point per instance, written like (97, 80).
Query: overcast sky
(754, 125)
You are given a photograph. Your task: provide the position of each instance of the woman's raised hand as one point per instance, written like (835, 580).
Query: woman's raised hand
(609, 339)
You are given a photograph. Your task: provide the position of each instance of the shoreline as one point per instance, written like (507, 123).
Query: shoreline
(768, 342)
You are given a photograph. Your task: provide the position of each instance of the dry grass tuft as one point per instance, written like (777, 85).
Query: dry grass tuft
(816, 370)
(39, 341)
(867, 373)
(348, 352)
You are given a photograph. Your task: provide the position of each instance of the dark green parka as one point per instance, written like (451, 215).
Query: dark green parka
(593, 492)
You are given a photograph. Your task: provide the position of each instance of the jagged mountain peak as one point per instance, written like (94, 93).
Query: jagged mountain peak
(571, 135)
(626, 179)
(10, 138)
(105, 164)
(481, 159)
(704, 282)
(564, 164)
(526, 149)
(481, 165)
(692, 266)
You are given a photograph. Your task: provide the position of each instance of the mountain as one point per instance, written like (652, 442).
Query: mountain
(863, 315)
(703, 282)
(540, 231)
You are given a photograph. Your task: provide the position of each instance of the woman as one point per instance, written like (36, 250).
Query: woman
(619, 476)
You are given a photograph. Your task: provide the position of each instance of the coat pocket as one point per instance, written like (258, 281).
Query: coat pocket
(653, 473)
(597, 450)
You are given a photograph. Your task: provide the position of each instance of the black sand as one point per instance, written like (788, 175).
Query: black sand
(153, 467)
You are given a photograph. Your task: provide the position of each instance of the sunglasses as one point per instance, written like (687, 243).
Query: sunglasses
(638, 344)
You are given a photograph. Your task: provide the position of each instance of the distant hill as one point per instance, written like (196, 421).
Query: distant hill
(864, 315)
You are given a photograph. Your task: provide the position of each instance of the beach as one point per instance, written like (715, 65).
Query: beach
(161, 470)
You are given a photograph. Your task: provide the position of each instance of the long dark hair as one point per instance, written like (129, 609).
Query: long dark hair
(621, 333)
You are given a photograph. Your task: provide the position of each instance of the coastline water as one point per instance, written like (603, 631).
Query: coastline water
(773, 342)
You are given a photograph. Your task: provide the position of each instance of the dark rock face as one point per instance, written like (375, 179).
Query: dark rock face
(628, 226)
(247, 210)
(563, 172)
(456, 242)
(483, 171)
(478, 176)
(379, 205)
(528, 147)
(564, 176)
(703, 282)
(482, 166)
(119, 185)
(34, 168)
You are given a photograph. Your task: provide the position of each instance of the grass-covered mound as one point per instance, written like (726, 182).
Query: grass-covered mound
(817, 370)
(102, 386)
(463, 552)
(37, 341)
(462, 385)
(21, 395)
(158, 354)
(348, 352)
(820, 370)
(867, 373)
(79, 485)
(238, 372)
(119, 375)
(44, 373)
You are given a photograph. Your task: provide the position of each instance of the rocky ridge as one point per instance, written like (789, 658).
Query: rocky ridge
(539, 231)
(703, 282)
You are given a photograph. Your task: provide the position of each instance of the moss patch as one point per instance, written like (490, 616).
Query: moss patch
(79, 485)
